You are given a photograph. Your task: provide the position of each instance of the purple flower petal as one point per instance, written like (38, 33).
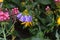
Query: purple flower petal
(19, 15)
(22, 18)
(28, 18)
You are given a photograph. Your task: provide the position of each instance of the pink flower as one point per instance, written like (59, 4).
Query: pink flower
(57, 0)
(4, 16)
(1, 18)
(15, 11)
(1, 13)
(7, 15)
(47, 8)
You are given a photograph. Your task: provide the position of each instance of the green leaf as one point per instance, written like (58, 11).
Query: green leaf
(0, 30)
(1, 38)
(36, 39)
(45, 2)
(43, 21)
(40, 34)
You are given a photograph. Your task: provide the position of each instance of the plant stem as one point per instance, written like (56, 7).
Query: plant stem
(4, 33)
(8, 32)
(57, 35)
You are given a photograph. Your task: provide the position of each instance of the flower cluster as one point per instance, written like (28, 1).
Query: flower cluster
(25, 19)
(15, 11)
(4, 16)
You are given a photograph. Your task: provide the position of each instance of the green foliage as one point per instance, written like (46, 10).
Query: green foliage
(42, 21)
